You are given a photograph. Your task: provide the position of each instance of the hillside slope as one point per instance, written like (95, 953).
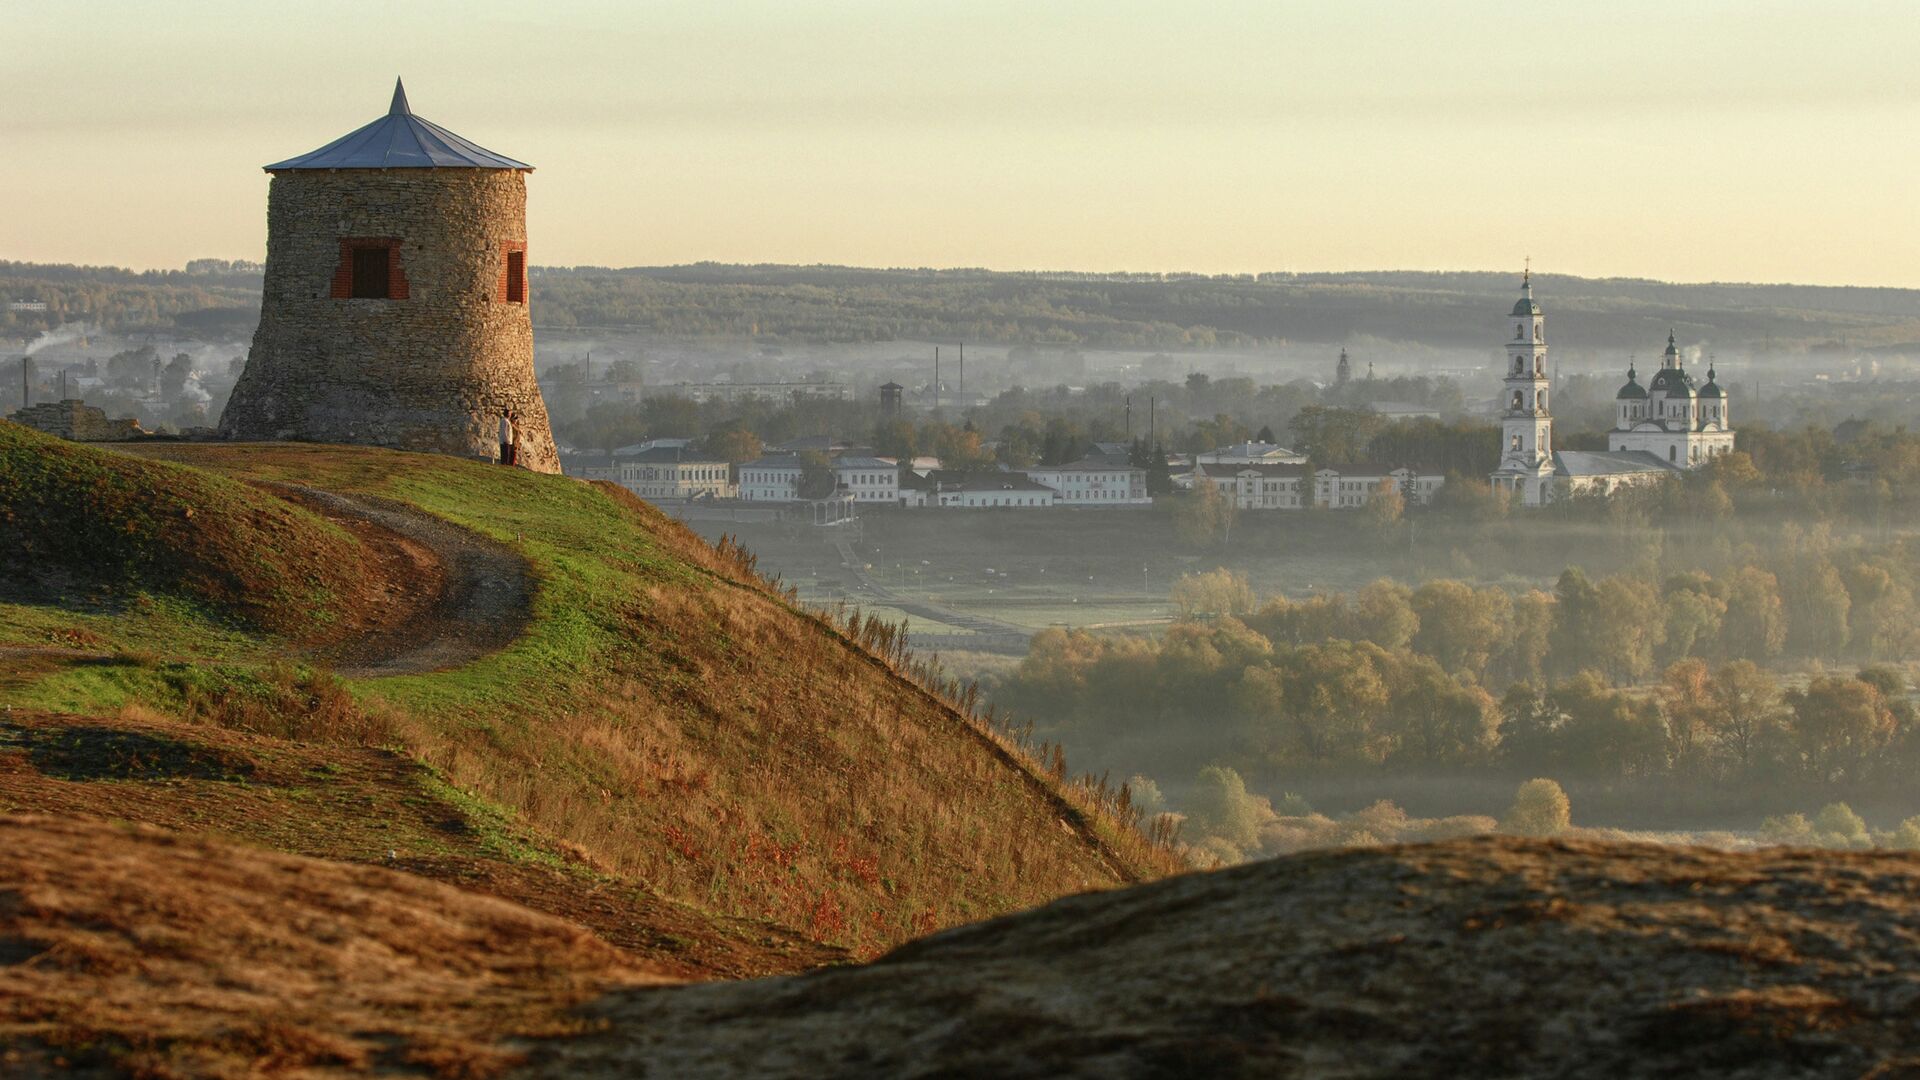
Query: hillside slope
(662, 720)
(83, 528)
(131, 951)
(1470, 958)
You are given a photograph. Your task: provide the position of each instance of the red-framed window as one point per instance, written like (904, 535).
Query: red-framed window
(513, 273)
(370, 269)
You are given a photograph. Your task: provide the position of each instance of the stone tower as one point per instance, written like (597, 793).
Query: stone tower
(395, 308)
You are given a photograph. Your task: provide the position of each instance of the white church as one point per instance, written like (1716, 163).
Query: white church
(1659, 429)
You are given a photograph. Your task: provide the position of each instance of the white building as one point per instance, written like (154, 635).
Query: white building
(985, 490)
(1094, 482)
(1671, 418)
(667, 472)
(1658, 430)
(868, 479)
(1349, 487)
(1259, 486)
(1332, 487)
(774, 479)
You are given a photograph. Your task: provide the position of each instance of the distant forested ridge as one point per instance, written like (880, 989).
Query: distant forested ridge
(830, 303)
(214, 297)
(822, 304)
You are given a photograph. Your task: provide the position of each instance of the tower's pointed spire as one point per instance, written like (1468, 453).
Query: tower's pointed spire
(399, 106)
(1526, 277)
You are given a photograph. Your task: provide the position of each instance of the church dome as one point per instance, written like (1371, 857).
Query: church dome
(1525, 306)
(1673, 382)
(1633, 390)
(1712, 389)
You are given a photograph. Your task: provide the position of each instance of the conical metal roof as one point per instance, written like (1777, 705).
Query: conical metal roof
(400, 140)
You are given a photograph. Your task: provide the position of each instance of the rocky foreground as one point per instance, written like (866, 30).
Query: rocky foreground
(131, 951)
(1491, 957)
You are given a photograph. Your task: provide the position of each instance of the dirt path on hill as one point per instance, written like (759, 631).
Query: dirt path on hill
(447, 596)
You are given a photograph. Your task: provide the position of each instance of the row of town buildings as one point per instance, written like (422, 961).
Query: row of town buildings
(1255, 476)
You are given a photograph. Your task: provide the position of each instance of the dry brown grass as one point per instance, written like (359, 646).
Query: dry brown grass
(675, 720)
(163, 956)
(801, 767)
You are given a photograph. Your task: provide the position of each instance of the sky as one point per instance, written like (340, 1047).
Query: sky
(1683, 140)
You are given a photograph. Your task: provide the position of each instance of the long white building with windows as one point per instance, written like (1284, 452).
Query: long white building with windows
(1094, 482)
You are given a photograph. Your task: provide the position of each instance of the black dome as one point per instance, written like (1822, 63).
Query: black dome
(1673, 382)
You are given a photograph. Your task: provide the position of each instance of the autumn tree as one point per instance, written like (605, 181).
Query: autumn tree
(1383, 614)
(1540, 808)
(1335, 697)
(1756, 622)
(895, 438)
(1459, 626)
(1839, 726)
(1384, 507)
(1204, 516)
(1606, 732)
(733, 445)
(1437, 721)
(1576, 620)
(1217, 592)
(1221, 807)
(1745, 714)
(1693, 616)
(1686, 694)
(1627, 626)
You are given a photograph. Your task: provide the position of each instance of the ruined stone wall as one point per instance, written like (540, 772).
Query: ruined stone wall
(433, 371)
(76, 420)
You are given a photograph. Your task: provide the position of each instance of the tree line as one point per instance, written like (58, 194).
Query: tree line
(1625, 677)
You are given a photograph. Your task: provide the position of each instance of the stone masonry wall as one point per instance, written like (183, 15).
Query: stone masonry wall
(76, 420)
(433, 371)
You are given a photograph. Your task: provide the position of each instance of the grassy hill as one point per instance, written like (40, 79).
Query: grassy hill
(664, 730)
(91, 529)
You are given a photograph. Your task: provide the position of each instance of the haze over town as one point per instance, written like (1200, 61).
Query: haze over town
(691, 492)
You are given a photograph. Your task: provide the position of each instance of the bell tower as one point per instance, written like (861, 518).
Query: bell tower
(1526, 425)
